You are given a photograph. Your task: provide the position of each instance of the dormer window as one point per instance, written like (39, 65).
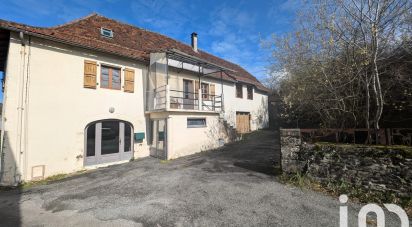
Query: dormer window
(106, 32)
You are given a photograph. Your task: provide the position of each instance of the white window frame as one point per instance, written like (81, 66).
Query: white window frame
(196, 126)
(104, 34)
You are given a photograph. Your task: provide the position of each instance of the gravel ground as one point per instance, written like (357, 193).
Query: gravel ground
(233, 186)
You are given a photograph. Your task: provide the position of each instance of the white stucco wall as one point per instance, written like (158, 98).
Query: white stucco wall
(56, 107)
(46, 109)
(192, 140)
(257, 107)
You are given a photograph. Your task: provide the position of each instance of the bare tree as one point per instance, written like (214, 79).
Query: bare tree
(334, 57)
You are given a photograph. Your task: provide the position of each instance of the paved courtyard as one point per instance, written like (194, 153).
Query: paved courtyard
(233, 186)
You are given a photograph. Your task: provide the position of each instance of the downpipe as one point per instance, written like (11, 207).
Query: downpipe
(21, 169)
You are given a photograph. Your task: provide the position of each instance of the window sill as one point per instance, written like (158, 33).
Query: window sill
(200, 126)
(111, 88)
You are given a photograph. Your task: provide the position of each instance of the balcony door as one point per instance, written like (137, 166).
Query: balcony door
(188, 95)
(108, 141)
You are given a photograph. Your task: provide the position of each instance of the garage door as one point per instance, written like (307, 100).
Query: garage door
(242, 122)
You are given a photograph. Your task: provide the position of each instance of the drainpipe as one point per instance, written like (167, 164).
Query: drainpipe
(26, 111)
(21, 169)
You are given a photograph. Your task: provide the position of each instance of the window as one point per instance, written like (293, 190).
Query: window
(127, 137)
(250, 92)
(196, 122)
(90, 140)
(187, 89)
(110, 137)
(106, 32)
(110, 78)
(205, 91)
(239, 91)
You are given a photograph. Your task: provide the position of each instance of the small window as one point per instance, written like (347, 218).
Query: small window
(106, 32)
(205, 91)
(196, 122)
(239, 91)
(250, 92)
(110, 78)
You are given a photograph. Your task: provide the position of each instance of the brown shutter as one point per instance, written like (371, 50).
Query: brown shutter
(212, 91)
(129, 80)
(196, 89)
(90, 72)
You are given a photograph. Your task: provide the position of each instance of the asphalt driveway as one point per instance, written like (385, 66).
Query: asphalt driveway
(233, 186)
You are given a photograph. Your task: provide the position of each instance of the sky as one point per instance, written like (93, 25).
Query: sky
(232, 29)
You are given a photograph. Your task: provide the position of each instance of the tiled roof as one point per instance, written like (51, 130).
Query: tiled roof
(128, 41)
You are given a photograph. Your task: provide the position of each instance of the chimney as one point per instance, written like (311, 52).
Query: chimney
(194, 41)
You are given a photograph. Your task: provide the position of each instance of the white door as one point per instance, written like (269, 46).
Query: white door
(108, 141)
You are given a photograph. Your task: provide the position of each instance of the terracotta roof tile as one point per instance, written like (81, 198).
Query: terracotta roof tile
(128, 41)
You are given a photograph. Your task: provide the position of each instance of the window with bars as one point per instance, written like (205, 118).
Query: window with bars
(239, 91)
(196, 122)
(250, 92)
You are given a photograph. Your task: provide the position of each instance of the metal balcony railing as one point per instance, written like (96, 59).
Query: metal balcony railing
(165, 98)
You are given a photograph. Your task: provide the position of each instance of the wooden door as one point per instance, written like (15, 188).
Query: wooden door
(242, 122)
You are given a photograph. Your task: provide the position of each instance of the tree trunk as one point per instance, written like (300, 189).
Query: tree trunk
(367, 108)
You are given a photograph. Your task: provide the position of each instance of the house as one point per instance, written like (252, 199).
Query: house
(96, 91)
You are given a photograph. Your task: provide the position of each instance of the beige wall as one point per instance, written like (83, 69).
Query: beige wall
(56, 108)
(46, 109)
(258, 107)
(185, 141)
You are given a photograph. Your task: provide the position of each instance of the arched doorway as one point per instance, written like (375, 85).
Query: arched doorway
(108, 141)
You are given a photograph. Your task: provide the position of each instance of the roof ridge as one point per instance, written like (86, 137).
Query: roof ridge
(157, 42)
(73, 21)
(201, 51)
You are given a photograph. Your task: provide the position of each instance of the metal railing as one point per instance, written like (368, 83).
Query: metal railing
(183, 100)
(159, 99)
(165, 98)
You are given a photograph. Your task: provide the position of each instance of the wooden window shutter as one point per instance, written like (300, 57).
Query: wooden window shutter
(197, 86)
(129, 80)
(212, 91)
(90, 72)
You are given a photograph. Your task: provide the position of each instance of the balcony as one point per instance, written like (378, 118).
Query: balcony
(172, 99)
(180, 82)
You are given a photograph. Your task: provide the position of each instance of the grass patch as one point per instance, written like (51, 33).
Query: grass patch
(48, 180)
(355, 193)
(165, 161)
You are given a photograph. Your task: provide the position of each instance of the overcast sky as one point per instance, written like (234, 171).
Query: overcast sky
(229, 29)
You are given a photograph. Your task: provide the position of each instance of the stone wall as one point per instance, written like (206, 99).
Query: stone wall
(378, 168)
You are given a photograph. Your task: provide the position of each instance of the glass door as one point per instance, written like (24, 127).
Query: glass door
(188, 97)
(158, 148)
(108, 141)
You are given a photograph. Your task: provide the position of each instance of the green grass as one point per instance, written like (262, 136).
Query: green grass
(354, 192)
(48, 180)
(165, 161)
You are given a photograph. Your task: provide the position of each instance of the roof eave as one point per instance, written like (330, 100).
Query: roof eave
(141, 60)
